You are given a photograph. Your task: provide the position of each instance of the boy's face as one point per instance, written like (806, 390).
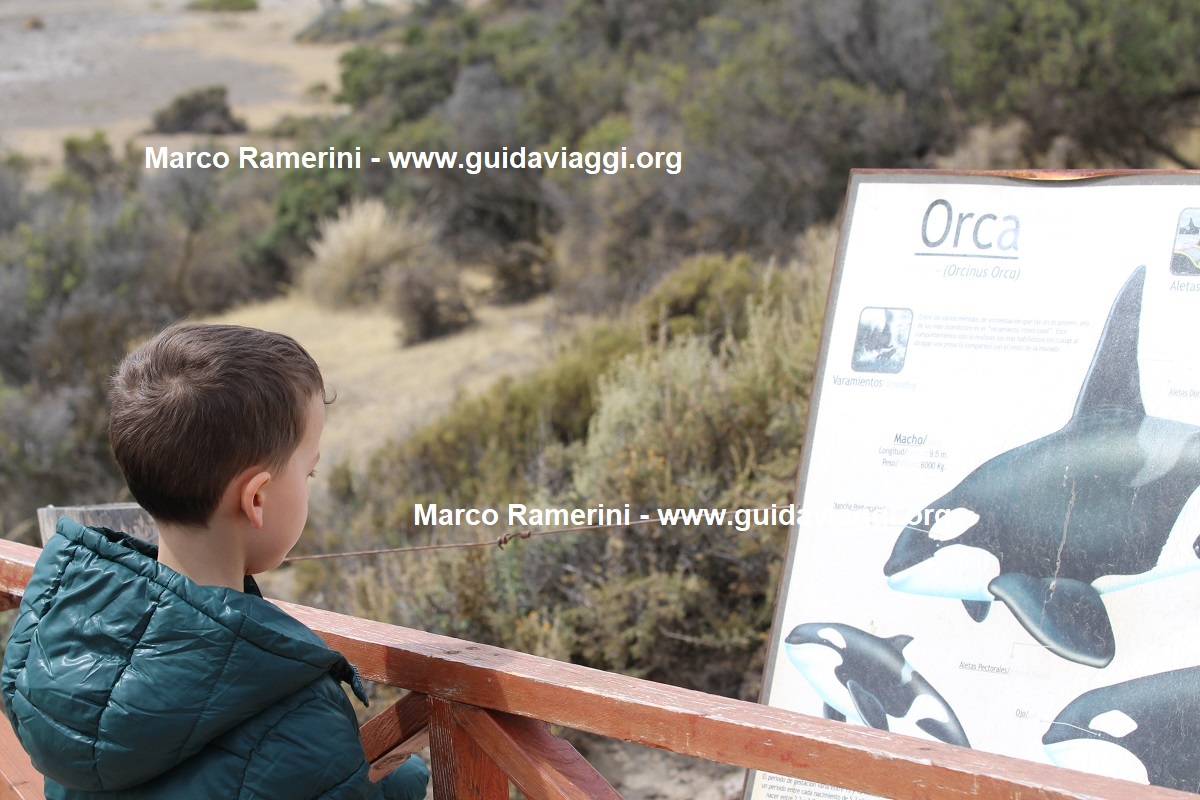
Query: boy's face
(285, 498)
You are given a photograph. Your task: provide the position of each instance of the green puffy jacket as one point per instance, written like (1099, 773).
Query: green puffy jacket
(123, 678)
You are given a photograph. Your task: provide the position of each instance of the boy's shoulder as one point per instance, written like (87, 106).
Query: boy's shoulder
(78, 557)
(158, 666)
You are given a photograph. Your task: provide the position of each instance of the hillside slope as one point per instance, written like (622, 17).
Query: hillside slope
(383, 389)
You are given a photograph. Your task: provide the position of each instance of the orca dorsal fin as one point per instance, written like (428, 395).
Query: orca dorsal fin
(1114, 380)
(900, 641)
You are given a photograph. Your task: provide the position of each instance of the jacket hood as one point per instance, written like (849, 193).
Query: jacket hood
(119, 668)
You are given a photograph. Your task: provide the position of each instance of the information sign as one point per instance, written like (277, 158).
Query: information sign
(1000, 544)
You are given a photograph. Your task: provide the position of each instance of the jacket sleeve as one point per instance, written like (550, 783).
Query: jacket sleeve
(407, 781)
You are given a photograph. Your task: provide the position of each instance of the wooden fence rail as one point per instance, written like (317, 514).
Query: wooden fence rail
(485, 714)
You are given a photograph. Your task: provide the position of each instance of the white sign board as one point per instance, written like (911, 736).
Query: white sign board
(999, 546)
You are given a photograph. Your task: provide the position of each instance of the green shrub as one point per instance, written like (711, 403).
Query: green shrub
(704, 296)
(337, 24)
(1114, 81)
(616, 418)
(522, 270)
(305, 197)
(488, 448)
(223, 5)
(199, 111)
(415, 79)
(428, 300)
(90, 159)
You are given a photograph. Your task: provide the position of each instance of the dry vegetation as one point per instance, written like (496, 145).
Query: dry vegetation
(691, 386)
(386, 392)
(697, 409)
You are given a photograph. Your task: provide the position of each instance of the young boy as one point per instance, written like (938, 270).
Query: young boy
(141, 673)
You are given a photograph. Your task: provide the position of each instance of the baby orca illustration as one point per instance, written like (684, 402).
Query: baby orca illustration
(1049, 525)
(1141, 730)
(865, 679)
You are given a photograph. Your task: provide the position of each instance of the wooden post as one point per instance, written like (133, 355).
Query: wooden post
(395, 733)
(541, 765)
(126, 517)
(18, 779)
(461, 769)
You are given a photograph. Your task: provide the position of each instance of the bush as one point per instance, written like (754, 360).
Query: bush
(522, 270)
(223, 5)
(614, 419)
(200, 221)
(12, 197)
(200, 111)
(337, 24)
(428, 301)
(1116, 79)
(415, 79)
(704, 296)
(305, 197)
(355, 250)
(90, 159)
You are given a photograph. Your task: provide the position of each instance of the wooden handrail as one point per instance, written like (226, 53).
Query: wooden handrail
(479, 705)
(697, 724)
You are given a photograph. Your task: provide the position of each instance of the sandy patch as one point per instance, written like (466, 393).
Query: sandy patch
(103, 65)
(384, 390)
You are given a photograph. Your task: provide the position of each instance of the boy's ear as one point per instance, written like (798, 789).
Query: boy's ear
(251, 497)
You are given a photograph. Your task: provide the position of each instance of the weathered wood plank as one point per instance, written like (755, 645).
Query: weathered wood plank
(18, 779)
(395, 733)
(461, 769)
(541, 765)
(697, 724)
(16, 566)
(127, 517)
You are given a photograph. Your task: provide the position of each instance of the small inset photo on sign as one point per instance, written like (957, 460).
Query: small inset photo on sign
(882, 340)
(1186, 258)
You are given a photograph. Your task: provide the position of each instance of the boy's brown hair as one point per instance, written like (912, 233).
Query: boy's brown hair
(198, 404)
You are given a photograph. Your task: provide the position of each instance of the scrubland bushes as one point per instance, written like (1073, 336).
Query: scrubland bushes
(223, 5)
(692, 392)
(673, 407)
(199, 111)
(355, 251)
(101, 258)
(369, 254)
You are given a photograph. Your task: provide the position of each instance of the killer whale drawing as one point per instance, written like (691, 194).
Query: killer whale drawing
(866, 679)
(1141, 730)
(1047, 526)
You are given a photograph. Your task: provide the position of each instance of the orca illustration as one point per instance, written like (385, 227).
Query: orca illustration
(1048, 526)
(1141, 730)
(865, 679)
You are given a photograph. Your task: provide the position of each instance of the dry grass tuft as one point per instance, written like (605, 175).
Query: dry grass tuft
(355, 251)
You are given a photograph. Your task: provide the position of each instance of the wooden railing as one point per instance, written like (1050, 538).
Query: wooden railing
(485, 713)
